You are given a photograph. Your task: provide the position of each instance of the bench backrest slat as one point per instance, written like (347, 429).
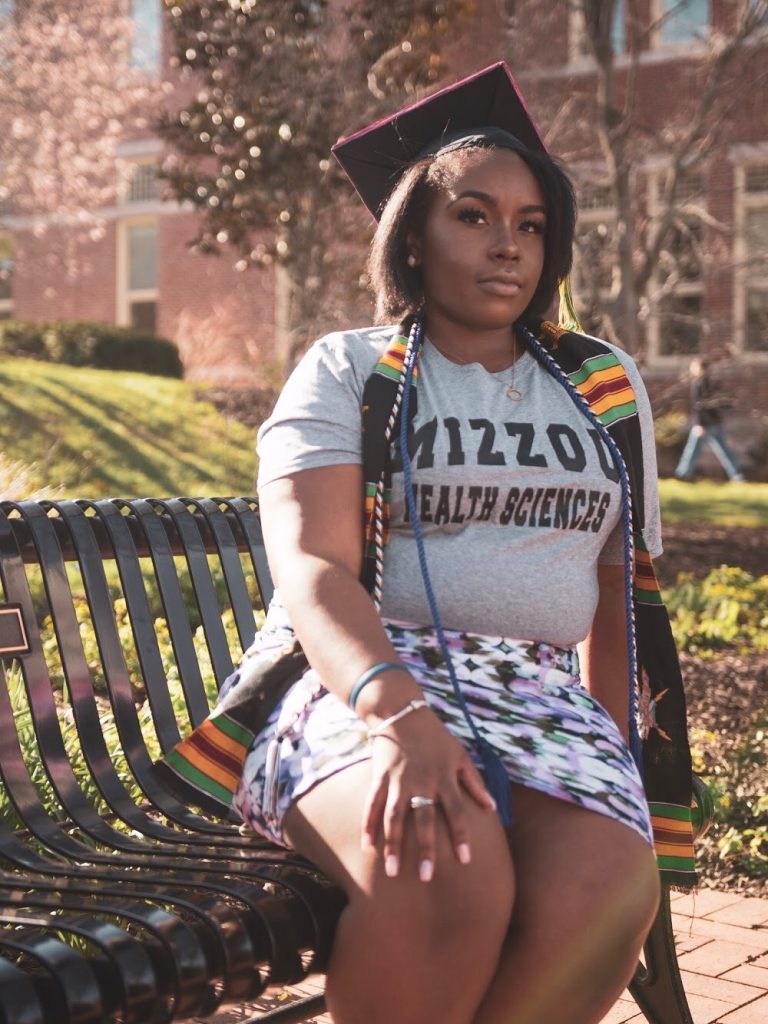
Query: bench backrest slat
(113, 660)
(87, 533)
(42, 705)
(174, 608)
(227, 549)
(124, 551)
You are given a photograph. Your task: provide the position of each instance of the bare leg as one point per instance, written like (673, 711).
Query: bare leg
(406, 951)
(587, 894)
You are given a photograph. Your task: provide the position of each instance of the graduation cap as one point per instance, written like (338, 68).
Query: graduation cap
(376, 156)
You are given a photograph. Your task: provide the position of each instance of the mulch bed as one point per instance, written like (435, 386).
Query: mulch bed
(726, 694)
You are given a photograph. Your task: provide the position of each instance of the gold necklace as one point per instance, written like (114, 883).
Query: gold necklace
(513, 392)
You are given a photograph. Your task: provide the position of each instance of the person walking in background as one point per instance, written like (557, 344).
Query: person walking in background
(708, 405)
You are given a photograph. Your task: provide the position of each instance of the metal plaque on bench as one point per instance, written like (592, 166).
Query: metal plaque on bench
(13, 633)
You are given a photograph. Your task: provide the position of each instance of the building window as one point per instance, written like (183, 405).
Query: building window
(680, 317)
(757, 320)
(142, 256)
(137, 274)
(619, 27)
(681, 21)
(677, 300)
(578, 44)
(142, 182)
(752, 256)
(756, 179)
(146, 49)
(594, 252)
(6, 278)
(144, 316)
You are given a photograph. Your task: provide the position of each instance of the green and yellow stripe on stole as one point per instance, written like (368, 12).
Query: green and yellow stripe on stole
(211, 758)
(603, 382)
(391, 363)
(673, 837)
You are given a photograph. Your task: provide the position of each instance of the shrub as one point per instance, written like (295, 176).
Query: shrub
(724, 615)
(670, 430)
(725, 609)
(81, 343)
(67, 725)
(735, 770)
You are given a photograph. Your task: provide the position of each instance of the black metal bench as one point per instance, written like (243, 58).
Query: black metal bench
(117, 902)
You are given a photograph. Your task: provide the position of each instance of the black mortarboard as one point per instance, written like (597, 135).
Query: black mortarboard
(376, 156)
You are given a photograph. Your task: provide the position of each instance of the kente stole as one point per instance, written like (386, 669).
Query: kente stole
(205, 768)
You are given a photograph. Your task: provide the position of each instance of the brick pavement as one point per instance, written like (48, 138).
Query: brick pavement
(722, 942)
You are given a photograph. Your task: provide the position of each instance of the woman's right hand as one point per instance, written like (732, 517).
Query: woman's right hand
(418, 757)
(314, 539)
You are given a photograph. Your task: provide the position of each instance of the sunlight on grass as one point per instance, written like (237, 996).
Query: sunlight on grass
(104, 433)
(709, 501)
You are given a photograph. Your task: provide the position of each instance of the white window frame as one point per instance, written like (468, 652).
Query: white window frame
(577, 34)
(654, 173)
(129, 155)
(125, 295)
(656, 39)
(126, 170)
(743, 281)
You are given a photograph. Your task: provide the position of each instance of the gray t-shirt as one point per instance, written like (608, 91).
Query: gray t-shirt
(518, 500)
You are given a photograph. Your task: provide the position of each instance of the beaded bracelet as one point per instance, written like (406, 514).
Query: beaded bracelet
(412, 705)
(366, 678)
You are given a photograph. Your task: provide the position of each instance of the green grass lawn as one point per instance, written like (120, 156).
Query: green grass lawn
(709, 501)
(101, 433)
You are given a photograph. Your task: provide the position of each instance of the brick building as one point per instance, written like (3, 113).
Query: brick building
(138, 268)
(142, 272)
(709, 288)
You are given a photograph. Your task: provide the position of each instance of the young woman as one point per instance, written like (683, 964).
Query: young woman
(442, 627)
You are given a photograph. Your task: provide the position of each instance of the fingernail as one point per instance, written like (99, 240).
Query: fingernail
(366, 842)
(493, 803)
(391, 865)
(425, 870)
(465, 854)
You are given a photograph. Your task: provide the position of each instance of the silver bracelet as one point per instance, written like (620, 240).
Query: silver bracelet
(412, 705)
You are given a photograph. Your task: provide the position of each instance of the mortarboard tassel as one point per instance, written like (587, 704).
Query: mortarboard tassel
(567, 316)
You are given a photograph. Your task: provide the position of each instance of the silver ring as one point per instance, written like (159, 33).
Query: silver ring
(421, 801)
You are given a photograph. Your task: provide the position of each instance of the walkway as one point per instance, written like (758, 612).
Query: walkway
(722, 943)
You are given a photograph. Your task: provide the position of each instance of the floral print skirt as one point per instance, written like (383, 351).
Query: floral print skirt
(525, 699)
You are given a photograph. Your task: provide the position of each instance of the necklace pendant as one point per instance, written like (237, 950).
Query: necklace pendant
(515, 394)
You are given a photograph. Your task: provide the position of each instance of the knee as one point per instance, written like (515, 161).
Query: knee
(464, 906)
(629, 892)
(641, 898)
(472, 908)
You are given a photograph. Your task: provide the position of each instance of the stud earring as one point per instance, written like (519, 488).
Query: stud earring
(411, 260)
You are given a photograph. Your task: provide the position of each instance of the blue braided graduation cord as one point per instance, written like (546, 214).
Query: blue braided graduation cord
(496, 777)
(549, 364)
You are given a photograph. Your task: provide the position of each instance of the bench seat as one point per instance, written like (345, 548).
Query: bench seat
(119, 622)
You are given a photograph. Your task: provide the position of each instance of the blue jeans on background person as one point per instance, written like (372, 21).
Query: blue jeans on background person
(714, 436)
